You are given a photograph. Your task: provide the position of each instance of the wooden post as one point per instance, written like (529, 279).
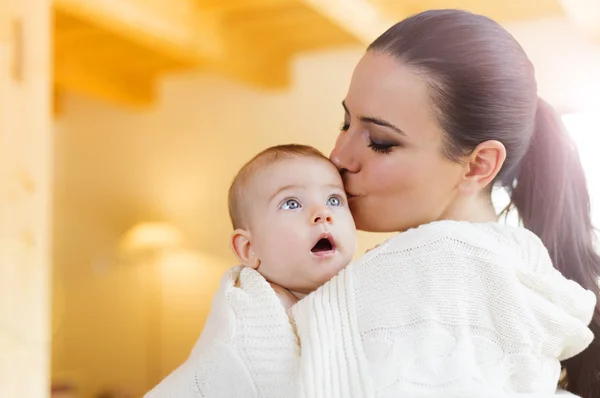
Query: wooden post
(25, 197)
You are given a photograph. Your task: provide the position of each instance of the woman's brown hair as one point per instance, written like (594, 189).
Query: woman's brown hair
(483, 87)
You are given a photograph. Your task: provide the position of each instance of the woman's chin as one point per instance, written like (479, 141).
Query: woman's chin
(368, 221)
(372, 219)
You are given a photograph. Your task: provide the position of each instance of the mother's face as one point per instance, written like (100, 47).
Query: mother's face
(389, 149)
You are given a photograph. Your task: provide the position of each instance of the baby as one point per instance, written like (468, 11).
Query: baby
(293, 232)
(291, 220)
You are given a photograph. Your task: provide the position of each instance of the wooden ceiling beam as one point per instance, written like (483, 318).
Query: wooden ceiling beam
(258, 66)
(175, 28)
(103, 82)
(585, 14)
(359, 18)
(233, 5)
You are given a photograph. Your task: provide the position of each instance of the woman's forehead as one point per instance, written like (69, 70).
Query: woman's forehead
(381, 82)
(383, 87)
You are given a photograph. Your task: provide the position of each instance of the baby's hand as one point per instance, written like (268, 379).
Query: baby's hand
(285, 296)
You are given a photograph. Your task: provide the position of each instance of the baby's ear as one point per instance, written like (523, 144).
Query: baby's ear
(241, 244)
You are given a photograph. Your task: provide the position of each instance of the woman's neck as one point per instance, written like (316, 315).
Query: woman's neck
(472, 209)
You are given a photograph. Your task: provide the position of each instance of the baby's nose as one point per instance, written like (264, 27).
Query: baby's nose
(322, 216)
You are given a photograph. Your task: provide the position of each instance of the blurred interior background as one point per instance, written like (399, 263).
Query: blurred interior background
(122, 123)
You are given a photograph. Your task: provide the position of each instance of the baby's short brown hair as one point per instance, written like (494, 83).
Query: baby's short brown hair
(238, 202)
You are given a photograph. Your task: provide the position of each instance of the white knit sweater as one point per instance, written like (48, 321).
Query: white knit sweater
(451, 309)
(247, 349)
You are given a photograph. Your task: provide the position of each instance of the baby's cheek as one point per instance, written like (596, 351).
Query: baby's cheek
(283, 245)
(289, 241)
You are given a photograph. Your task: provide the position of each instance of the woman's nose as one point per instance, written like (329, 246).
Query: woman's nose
(322, 216)
(343, 155)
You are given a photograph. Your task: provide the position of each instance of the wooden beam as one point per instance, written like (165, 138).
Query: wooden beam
(257, 66)
(176, 30)
(586, 14)
(235, 5)
(102, 82)
(271, 74)
(171, 27)
(57, 101)
(26, 185)
(359, 18)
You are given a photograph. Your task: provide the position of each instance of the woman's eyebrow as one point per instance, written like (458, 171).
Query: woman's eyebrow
(376, 120)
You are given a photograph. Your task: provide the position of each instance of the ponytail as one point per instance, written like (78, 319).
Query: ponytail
(552, 200)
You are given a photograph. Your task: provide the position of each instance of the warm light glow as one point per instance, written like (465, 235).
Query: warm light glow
(584, 129)
(151, 236)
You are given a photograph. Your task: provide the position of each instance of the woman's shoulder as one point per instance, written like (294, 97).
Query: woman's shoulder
(467, 237)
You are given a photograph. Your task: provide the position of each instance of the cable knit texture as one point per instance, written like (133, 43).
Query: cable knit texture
(450, 309)
(248, 347)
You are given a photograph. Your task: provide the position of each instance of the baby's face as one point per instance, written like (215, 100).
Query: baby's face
(301, 227)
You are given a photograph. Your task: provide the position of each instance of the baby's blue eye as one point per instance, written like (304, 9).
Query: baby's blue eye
(334, 201)
(291, 204)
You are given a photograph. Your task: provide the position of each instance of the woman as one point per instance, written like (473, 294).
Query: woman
(442, 107)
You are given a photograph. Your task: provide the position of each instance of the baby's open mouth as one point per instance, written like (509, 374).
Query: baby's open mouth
(324, 245)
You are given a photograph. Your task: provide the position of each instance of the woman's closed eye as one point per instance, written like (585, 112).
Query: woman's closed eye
(375, 145)
(381, 147)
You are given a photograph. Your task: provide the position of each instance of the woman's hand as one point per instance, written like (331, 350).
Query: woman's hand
(285, 296)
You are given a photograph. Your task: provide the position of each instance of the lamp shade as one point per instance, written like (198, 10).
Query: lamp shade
(151, 236)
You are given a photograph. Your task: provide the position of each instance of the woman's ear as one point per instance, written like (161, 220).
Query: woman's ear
(241, 244)
(483, 165)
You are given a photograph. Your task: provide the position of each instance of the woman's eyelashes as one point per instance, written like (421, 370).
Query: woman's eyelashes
(381, 147)
(375, 145)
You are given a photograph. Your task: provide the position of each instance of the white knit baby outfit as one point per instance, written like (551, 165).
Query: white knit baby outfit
(450, 309)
